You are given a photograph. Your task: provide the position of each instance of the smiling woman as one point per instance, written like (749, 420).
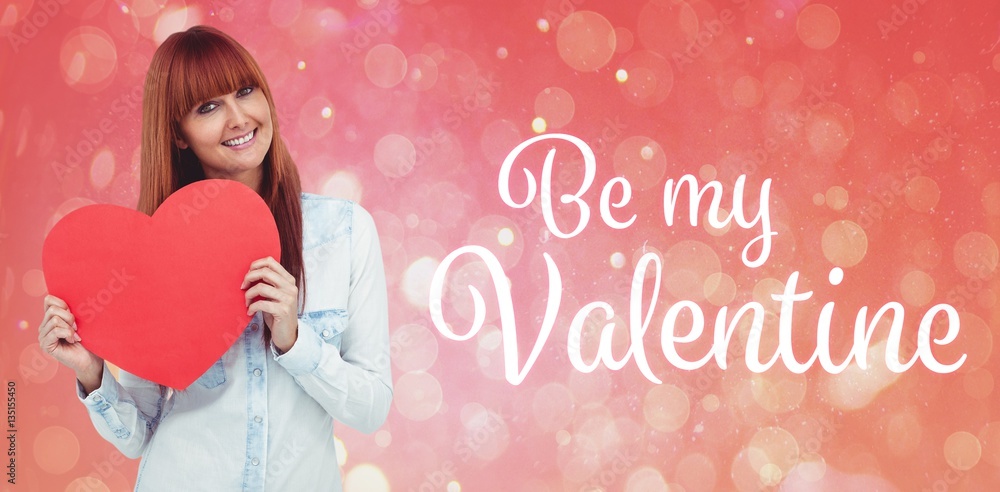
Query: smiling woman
(202, 89)
(229, 134)
(261, 418)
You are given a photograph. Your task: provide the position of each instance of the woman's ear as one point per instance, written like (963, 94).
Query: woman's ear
(181, 144)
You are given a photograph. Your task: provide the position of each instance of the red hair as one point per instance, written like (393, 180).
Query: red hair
(188, 69)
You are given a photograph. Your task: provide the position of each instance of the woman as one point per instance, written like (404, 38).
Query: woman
(261, 418)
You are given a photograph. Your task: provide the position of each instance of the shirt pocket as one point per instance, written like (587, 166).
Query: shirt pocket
(214, 376)
(328, 324)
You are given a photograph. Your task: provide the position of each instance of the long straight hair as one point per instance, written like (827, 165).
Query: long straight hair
(188, 69)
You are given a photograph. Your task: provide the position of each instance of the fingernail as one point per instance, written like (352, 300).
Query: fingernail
(78, 337)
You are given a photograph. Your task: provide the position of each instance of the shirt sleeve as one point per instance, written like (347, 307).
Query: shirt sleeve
(125, 413)
(354, 385)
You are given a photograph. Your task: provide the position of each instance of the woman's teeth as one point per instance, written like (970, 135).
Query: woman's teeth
(239, 141)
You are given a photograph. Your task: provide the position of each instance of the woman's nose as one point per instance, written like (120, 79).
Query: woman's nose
(237, 116)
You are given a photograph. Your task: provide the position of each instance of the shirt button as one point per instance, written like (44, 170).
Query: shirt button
(326, 333)
(254, 327)
(258, 419)
(98, 398)
(255, 462)
(256, 372)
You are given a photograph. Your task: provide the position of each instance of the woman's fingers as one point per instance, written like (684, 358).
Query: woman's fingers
(57, 336)
(266, 291)
(277, 267)
(62, 313)
(56, 316)
(271, 264)
(265, 274)
(264, 306)
(273, 288)
(51, 300)
(54, 306)
(59, 331)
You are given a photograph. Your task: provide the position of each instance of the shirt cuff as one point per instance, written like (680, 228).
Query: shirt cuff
(305, 354)
(104, 396)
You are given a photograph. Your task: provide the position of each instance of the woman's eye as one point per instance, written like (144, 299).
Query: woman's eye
(244, 91)
(204, 108)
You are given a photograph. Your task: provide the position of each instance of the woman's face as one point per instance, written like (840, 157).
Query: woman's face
(230, 134)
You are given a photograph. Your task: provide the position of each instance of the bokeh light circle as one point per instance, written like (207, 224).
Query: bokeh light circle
(417, 395)
(416, 281)
(650, 78)
(975, 341)
(782, 81)
(585, 40)
(13, 13)
(646, 479)
(720, 289)
(422, 72)
(366, 477)
(668, 26)
(818, 26)
(385, 65)
(56, 449)
(343, 184)
(773, 451)
(962, 450)
(316, 117)
(666, 408)
(922, 194)
(36, 366)
(413, 347)
(88, 59)
(33, 283)
(102, 169)
(921, 101)
(978, 384)
(829, 129)
(778, 390)
(844, 243)
(555, 105)
(917, 288)
(836, 198)
(623, 40)
(395, 155)
(976, 255)
(501, 236)
(747, 91)
(687, 267)
(641, 161)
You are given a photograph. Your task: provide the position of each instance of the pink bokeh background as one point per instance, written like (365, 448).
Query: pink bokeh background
(877, 122)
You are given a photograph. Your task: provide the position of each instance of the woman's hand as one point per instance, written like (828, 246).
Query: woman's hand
(278, 300)
(57, 337)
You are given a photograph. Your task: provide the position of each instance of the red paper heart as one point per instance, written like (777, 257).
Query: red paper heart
(160, 296)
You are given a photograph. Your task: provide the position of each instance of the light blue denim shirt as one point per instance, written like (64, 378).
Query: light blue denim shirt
(256, 420)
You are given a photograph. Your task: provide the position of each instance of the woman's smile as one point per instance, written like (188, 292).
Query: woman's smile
(243, 141)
